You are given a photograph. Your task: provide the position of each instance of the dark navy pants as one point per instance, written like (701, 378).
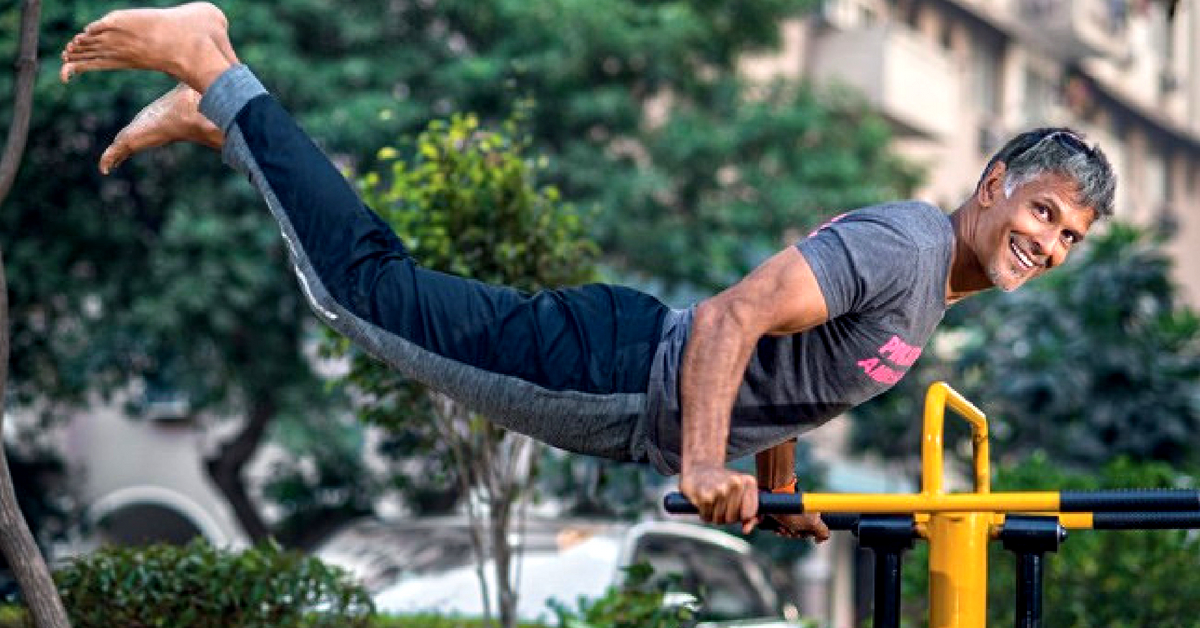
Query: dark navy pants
(567, 366)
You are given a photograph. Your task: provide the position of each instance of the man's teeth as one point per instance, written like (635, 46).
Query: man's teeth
(1021, 257)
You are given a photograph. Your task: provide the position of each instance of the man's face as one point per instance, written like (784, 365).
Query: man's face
(1031, 231)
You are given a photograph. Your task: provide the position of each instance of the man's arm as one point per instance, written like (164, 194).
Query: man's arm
(780, 297)
(776, 471)
(776, 467)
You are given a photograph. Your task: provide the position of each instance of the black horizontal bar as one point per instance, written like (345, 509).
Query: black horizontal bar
(1145, 520)
(768, 504)
(1130, 500)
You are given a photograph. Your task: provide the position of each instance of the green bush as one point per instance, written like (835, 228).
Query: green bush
(437, 621)
(198, 586)
(637, 603)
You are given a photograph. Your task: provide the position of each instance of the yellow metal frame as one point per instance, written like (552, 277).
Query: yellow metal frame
(958, 526)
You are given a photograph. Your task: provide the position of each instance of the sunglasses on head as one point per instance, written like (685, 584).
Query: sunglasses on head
(1066, 139)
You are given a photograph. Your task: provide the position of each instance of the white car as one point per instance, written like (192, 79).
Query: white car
(427, 565)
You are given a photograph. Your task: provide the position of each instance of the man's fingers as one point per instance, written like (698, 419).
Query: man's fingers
(721, 496)
(732, 506)
(749, 505)
(819, 529)
(706, 504)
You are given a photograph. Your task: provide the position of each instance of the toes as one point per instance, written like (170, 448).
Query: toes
(74, 68)
(99, 26)
(116, 153)
(83, 47)
(86, 45)
(76, 57)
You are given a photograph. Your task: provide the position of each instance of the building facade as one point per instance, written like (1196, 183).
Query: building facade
(956, 78)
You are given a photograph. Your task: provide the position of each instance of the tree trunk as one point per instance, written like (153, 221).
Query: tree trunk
(226, 467)
(16, 541)
(502, 554)
(22, 97)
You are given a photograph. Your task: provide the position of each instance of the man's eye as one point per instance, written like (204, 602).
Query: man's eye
(1041, 211)
(1069, 237)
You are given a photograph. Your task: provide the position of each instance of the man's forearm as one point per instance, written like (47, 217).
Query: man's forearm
(776, 467)
(713, 366)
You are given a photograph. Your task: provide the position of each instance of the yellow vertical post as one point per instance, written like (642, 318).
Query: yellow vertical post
(957, 541)
(958, 544)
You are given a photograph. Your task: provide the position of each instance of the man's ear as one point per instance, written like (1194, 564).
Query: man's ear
(992, 187)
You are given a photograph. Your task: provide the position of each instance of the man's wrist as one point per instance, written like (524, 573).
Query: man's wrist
(788, 486)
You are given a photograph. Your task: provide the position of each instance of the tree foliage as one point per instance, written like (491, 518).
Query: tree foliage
(1095, 360)
(166, 277)
(168, 272)
(466, 202)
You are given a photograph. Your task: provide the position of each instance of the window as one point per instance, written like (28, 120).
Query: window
(1155, 192)
(1041, 99)
(985, 75)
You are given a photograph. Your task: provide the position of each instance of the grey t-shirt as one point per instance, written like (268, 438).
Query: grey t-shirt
(882, 270)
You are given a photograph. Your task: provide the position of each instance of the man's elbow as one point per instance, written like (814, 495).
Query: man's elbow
(728, 317)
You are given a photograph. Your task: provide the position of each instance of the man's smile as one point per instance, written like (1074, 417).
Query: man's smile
(1024, 259)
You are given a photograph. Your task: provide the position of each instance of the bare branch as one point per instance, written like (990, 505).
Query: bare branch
(16, 541)
(22, 98)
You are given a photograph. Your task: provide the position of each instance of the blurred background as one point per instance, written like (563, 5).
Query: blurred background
(168, 382)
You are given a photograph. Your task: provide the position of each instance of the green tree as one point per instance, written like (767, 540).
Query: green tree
(466, 202)
(170, 273)
(1097, 359)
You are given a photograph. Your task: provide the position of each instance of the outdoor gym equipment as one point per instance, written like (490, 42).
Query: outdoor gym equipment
(958, 526)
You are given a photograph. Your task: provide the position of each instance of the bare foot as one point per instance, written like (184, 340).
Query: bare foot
(174, 117)
(190, 42)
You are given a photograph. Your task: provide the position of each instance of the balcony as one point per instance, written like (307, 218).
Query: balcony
(1075, 30)
(907, 79)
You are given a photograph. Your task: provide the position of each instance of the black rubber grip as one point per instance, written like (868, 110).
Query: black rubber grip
(1146, 521)
(768, 504)
(1130, 500)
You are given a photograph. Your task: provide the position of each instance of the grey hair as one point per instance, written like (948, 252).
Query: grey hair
(1062, 151)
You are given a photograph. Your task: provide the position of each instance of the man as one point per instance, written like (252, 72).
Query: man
(605, 370)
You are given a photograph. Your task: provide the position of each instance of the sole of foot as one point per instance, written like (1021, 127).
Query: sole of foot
(174, 117)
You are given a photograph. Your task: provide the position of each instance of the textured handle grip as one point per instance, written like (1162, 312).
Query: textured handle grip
(768, 504)
(1146, 520)
(1130, 500)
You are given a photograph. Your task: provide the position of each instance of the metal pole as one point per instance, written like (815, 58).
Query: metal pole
(887, 537)
(887, 589)
(958, 570)
(1030, 567)
(1030, 538)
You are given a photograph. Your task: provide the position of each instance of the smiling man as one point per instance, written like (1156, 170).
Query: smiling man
(605, 370)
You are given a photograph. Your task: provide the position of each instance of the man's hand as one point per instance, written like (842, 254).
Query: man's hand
(807, 525)
(722, 496)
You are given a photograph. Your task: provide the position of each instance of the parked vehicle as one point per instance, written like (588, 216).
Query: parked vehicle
(427, 566)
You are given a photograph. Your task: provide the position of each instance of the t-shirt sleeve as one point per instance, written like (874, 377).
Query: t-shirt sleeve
(862, 263)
